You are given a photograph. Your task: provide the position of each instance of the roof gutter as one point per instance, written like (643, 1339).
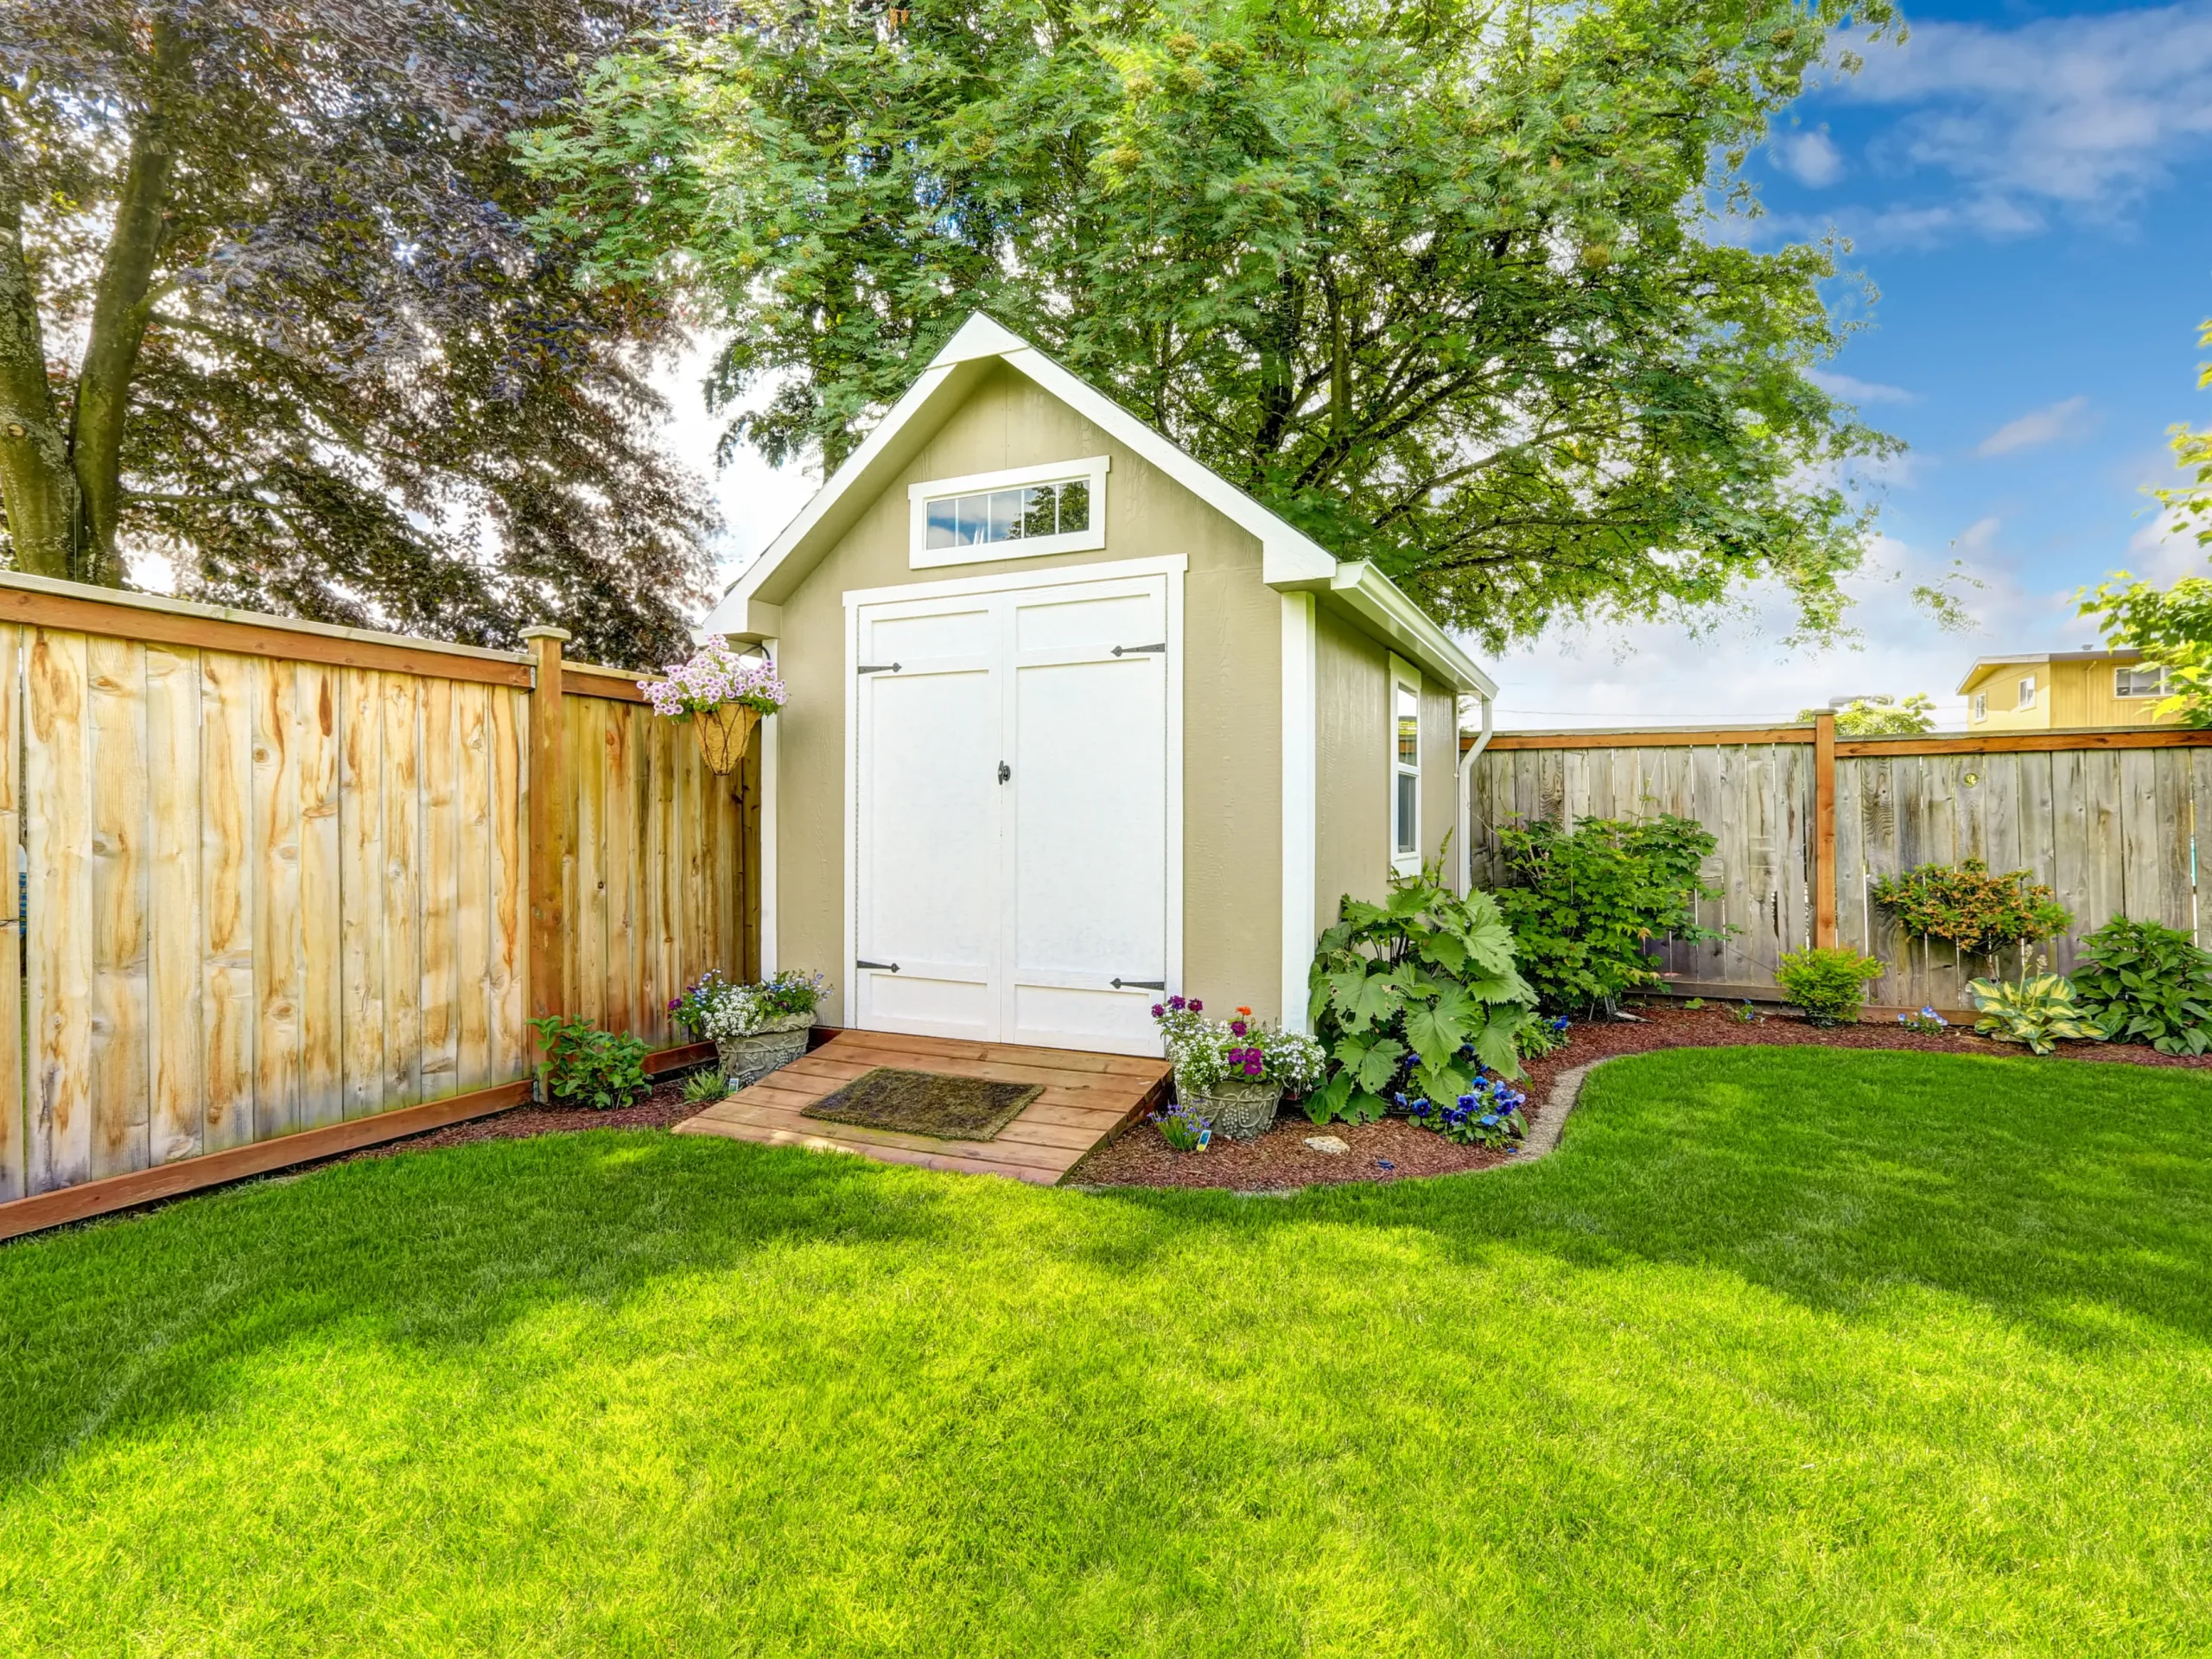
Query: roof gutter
(1361, 589)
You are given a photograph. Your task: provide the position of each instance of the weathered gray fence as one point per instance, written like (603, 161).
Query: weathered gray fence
(2107, 818)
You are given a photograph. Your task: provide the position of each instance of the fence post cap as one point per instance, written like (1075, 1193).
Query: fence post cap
(561, 634)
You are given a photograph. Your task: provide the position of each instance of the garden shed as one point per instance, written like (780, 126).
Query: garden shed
(1074, 722)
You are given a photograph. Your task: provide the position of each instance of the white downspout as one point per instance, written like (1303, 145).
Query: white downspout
(1462, 873)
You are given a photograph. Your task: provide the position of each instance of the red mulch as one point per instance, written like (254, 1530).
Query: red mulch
(1280, 1160)
(663, 1109)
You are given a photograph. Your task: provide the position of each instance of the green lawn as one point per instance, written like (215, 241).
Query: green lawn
(1787, 1351)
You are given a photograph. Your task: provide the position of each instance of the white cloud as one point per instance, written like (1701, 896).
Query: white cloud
(2166, 550)
(2084, 114)
(2035, 428)
(1853, 389)
(1811, 158)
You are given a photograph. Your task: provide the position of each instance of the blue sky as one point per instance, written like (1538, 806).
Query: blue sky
(2028, 187)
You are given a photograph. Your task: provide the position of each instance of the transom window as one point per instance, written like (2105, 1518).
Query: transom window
(2147, 680)
(1022, 513)
(1405, 767)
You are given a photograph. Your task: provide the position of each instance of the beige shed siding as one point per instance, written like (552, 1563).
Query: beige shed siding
(1232, 666)
(1353, 739)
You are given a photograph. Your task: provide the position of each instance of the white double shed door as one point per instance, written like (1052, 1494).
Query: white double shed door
(1016, 811)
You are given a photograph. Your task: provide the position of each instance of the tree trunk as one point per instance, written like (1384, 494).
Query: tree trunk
(120, 310)
(36, 484)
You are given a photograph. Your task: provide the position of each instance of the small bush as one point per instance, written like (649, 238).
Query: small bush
(2143, 983)
(1540, 1037)
(1488, 1114)
(2039, 1011)
(1967, 906)
(1582, 906)
(589, 1067)
(704, 1088)
(1827, 981)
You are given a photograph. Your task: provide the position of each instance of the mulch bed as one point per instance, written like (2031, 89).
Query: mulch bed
(1394, 1150)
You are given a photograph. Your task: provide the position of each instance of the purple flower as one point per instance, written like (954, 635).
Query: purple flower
(1178, 1004)
(1236, 1026)
(1196, 1005)
(1157, 1010)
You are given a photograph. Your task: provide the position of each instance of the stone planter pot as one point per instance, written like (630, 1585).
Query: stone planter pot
(748, 1060)
(1237, 1108)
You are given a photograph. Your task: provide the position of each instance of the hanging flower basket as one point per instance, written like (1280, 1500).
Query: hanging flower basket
(723, 695)
(725, 733)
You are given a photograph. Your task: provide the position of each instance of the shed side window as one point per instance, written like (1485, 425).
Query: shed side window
(1405, 774)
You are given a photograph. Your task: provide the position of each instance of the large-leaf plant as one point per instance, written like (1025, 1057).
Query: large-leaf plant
(1415, 996)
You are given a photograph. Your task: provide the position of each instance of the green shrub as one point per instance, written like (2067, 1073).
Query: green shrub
(2143, 983)
(1418, 992)
(589, 1067)
(1581, 905)
(1827, 981)
(2039, 1011)
(704, 1088)
(1967, 906)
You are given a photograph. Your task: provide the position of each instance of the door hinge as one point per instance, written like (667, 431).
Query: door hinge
(1006, 772)
(1139, 984)
(1139, 651)
(881, 967)
(879, 668)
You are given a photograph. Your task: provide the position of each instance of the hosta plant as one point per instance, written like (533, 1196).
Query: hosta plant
(2145, 982)
(1416, 996)
(2039, 1010)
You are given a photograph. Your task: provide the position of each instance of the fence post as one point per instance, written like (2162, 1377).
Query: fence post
(549, 823)
(1824, 828)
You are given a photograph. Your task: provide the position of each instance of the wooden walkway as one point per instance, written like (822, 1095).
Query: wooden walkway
(1087, 1097)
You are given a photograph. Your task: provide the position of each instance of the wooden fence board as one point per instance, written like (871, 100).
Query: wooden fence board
(619, 864)
(440, 979)
(278, 963)
(513, 1049)
(228, 1012)
(175, 1128)
(474, 875)
(14, 1127)
(361, 879)
(117, 1084)
(57, 783)
(403, 891)
(317, 710)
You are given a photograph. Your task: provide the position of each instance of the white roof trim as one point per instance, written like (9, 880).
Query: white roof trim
(1290, 559)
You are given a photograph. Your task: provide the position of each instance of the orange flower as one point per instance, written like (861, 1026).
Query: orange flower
(1246, 1012)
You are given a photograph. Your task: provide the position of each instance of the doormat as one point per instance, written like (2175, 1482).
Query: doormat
(925, 1103)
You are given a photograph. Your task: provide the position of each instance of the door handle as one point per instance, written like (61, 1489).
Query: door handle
(881, 967)
(1139, 984)
(878, 668)
(1006, 772)
(1139, 651)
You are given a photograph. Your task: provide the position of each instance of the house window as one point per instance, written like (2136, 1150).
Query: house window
(1019, 513)
(1405, 768)
(2028, 692)
(2145, 682)
(1981, 707)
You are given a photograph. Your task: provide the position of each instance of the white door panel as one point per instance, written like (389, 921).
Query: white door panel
(1013, 798)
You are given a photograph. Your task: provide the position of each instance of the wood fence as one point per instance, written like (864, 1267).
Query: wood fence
(288, 889)
(1807, 823)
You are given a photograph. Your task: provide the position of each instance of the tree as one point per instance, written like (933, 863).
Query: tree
(268, 304)
(1432, 281)
(1881, 716)
(2172, 627)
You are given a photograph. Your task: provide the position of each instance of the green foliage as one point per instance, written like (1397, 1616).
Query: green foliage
(1539, 1037)
(2039, 1010)
(273, 310)
(2171, 627)
(1583, 905)
(1964, 904)
(1419, 992)
(1440, 283)
(586, 1066)
(1882, 716)
(2144, 982)
(1184, 1130)
(1828, 982)
(704, 1088)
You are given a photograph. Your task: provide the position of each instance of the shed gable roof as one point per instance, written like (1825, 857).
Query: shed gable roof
(1291, 560)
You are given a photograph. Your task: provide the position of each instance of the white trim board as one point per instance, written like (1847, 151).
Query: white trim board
(1300, 802)
(960, 587)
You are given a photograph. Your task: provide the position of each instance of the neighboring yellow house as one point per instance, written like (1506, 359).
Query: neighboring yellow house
(2061, 689)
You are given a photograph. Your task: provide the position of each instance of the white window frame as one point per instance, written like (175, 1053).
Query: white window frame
(1403, 676)
(922, 556)
(2121, 681)
(1981, 707)
(2027, 693)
